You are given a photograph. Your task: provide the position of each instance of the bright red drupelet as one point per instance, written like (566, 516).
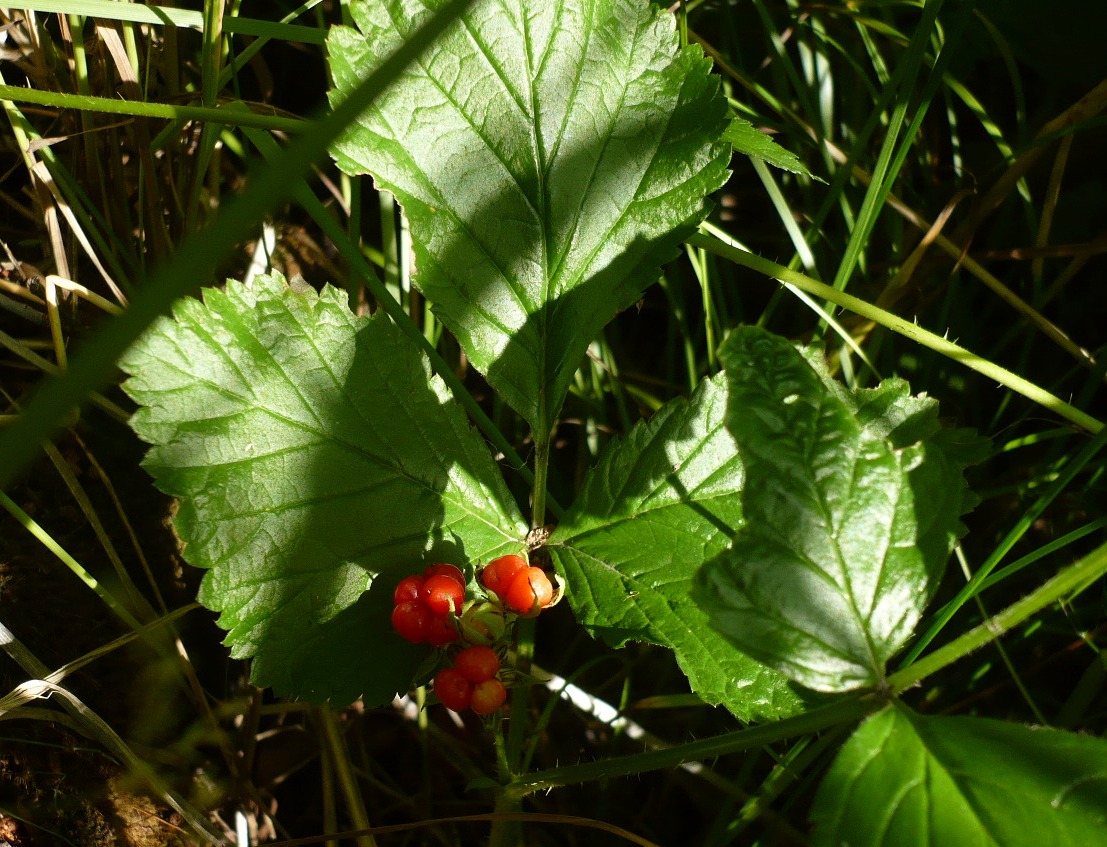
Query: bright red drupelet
(487, 696)
(498, 574)
(412, 621)
(408, 590)
(453, 689)
(477, 663)
(443, 594)
(530, 591)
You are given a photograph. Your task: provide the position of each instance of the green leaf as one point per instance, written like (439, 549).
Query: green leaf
(909, 780)
(748, 140)
(549, 156)
(658, 505)
(314, 455)
(892, 412)
(847, 531)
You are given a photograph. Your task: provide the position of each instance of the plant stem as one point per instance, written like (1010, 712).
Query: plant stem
(1072, 579)
(905, 328)
(848, 709)
(541, 467)
(505, 831)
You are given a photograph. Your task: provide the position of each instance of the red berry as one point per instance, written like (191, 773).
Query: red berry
(412, 621)
(439, 631)
(498, 574)
(408, 590)
(441, 569)
(443, 594)
(487, 696)
(477, 663)
(453, 689)
(530, 591)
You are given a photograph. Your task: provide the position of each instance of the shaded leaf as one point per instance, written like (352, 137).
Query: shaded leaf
(910, 780)
(549, 156)
(314, 454)
(659, 504)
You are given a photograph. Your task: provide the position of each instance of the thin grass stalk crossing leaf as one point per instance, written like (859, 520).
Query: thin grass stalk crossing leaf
(911, 331)
(549, 157)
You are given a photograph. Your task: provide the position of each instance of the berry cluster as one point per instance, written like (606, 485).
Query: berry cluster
(431, 608)
(471, 682)
(423, 604)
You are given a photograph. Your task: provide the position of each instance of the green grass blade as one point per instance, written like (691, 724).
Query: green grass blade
(138, 109)
(168, 16)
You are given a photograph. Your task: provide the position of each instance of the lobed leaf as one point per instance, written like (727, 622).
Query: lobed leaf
(657, 505)
(910, 780)
(847, 530)
(314, 456)
(549, 157)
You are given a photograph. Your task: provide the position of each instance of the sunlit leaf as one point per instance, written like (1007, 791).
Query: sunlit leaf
(549, 156)
(748, 140)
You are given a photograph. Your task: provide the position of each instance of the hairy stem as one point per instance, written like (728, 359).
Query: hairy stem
(905, 328)
(843, 711)
(1072, 579)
